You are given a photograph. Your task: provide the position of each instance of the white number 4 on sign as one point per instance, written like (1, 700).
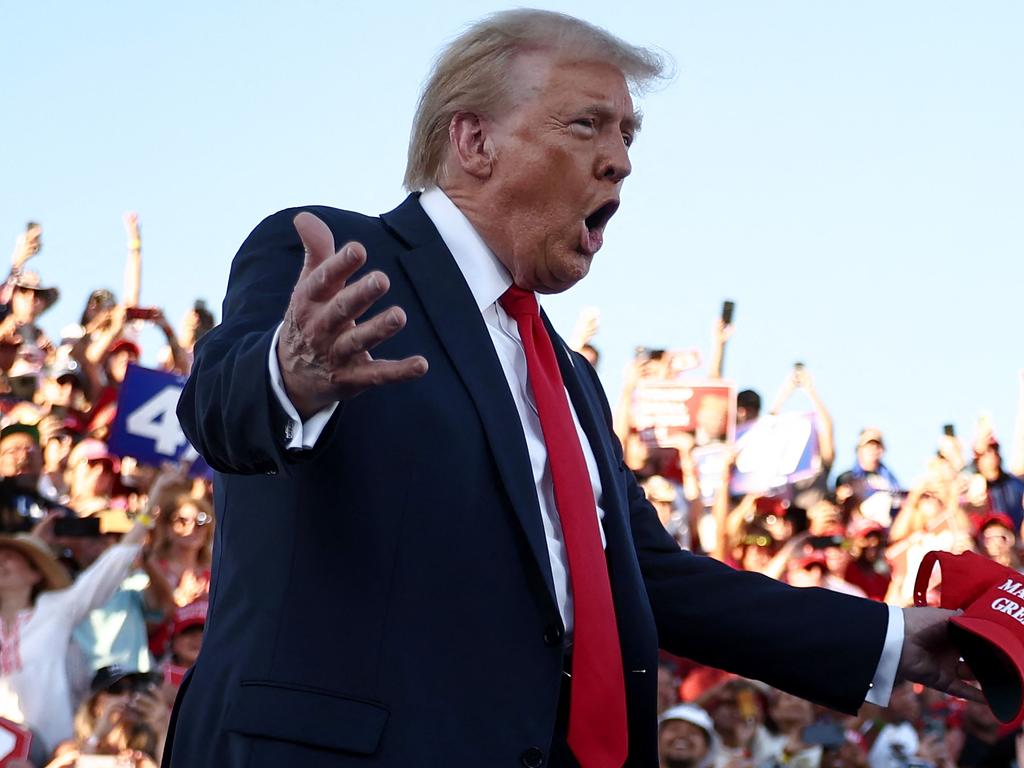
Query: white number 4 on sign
(157, 420)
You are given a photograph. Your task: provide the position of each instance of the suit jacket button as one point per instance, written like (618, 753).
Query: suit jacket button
(532, 758)
(553, 636)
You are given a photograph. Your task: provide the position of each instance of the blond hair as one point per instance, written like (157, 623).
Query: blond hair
(473, 75)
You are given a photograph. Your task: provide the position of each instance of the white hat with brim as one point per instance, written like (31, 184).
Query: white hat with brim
(35, 550)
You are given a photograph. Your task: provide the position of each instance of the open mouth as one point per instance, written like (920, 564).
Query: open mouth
(592, 232)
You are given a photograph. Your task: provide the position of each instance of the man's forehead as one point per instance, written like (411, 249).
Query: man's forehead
(575, 83)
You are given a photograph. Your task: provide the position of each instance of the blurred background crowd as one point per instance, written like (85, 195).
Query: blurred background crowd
(105, 560)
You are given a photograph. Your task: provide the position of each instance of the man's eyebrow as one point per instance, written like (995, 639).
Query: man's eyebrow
(630, 123)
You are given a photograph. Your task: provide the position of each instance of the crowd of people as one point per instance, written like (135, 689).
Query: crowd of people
(864, 533)
(105, 562)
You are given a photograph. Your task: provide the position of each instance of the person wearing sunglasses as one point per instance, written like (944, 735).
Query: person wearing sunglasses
(182, 553)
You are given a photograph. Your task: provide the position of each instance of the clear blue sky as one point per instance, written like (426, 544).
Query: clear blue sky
(850, 173)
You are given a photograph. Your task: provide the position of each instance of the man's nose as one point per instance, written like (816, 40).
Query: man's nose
(615, 165)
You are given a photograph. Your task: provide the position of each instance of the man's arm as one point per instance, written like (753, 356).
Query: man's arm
(287, 273)
(820, 645)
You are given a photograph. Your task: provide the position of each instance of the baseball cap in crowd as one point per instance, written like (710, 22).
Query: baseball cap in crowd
(124, 345)
(20, 428)
(92, 449)
(116, 679)
(188, 616)
(68, 369)
(698, 717)
(870, 435)
(990, 632)
(863, 527)
(996, 518)
(690, 713)
(806, 561)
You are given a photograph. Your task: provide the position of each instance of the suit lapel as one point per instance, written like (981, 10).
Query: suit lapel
(456, 319)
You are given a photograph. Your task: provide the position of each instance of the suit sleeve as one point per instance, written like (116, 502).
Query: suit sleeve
(228, 409)
(817, 644)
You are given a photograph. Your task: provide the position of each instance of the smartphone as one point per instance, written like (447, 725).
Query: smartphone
(656, 354)
(141, 313)
(948, 430)
(23, 387)
(76, 527)
(825, 734)
(29, 226)
(798, 366)
(824, 542)
(728, 307)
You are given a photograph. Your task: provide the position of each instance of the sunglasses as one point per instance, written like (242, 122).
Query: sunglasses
(200, 519)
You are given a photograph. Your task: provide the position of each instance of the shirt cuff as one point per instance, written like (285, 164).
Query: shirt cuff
(298, 434)
(885, 672)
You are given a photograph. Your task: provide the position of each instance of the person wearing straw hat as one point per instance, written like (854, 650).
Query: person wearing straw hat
(29, 299)
(39, 607)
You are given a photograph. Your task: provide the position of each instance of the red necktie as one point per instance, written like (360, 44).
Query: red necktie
(597, 704)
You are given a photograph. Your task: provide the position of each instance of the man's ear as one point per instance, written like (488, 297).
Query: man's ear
(470, 145)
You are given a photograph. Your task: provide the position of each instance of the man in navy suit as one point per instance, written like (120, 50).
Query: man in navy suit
(429, 551)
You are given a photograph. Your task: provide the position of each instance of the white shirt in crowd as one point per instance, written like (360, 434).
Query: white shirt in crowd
(34, 684)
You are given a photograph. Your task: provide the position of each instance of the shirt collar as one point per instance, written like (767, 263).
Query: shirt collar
(486, 276)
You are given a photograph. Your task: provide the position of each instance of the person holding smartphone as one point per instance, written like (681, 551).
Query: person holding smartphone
(120, 725)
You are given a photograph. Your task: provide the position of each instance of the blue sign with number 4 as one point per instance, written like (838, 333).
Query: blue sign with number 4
(146, 426)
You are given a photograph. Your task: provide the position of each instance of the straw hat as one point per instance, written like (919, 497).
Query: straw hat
(35, 550)
(29, 281)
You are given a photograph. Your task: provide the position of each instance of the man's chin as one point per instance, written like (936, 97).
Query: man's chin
(566, 272)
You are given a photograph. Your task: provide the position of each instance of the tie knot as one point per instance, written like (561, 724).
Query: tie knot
(519, 302)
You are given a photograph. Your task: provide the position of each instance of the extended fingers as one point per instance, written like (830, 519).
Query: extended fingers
(333, 272)
(365, 336)
(967, 691)
(346, 305)
(377, 372)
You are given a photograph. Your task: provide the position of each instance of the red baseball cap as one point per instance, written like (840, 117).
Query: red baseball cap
(862, 527)
(990, 632)
(188, 616)
(996, 518)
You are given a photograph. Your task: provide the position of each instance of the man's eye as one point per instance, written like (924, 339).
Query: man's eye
(627, 139)
(585, 122)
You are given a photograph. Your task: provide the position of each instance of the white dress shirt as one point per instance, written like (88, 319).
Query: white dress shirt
(488, 279)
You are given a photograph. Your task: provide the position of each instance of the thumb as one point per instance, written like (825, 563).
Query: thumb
(317, 241)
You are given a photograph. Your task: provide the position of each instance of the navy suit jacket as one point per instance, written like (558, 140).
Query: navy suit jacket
(386, 599)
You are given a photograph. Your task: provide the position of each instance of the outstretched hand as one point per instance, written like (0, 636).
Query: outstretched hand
(324, 354)
(930, 657)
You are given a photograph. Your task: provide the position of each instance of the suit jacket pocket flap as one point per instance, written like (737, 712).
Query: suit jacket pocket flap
(307, 716)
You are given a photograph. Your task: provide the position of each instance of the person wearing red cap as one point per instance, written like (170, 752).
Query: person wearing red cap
(92, 470)
(997, 540)
(1005, 491)
(868, 568)
(186, 642)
